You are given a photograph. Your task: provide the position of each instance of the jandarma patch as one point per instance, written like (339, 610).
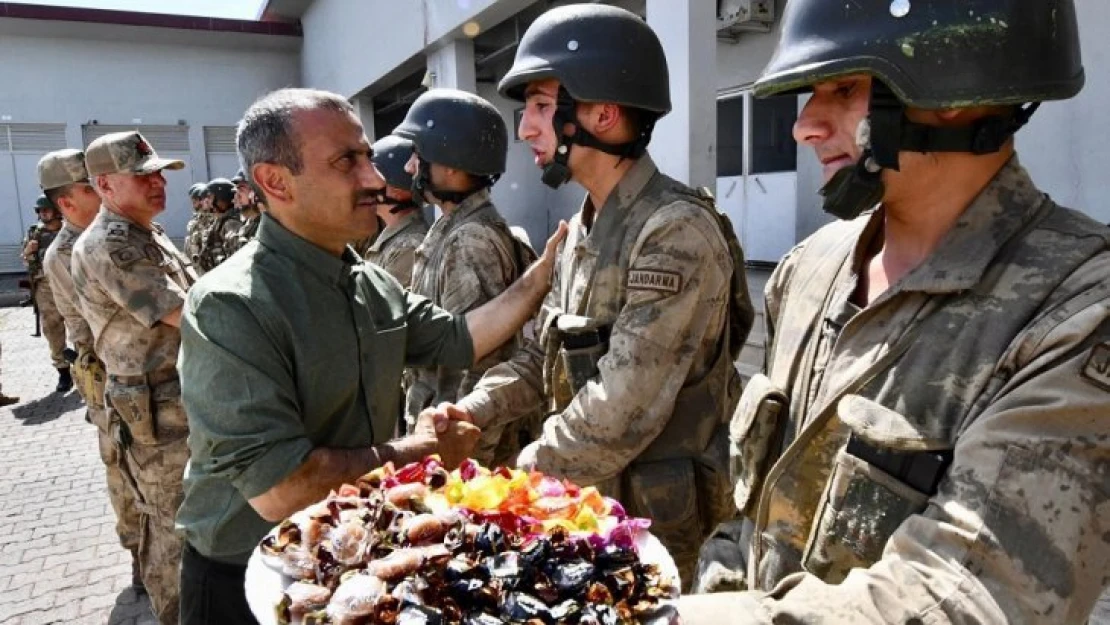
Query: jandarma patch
(1097, 369)
(665, 281)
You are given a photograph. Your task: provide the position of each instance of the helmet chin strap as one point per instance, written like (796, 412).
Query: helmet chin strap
(887, 131)
(422, 184)
(396, 205)
(557, 172)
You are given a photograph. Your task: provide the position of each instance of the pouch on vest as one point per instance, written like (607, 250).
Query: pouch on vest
(170, 422)
(132, 403)
(754, 429)
(886, 472)
(583, 345)
(90, 376)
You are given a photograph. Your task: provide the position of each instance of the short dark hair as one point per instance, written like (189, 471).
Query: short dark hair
(266, 133)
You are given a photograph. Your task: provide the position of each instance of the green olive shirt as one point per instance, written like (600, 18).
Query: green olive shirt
(284, 348)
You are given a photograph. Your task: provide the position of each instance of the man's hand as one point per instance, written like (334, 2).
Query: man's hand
(447, 412)
(544, 268)
(457, 443)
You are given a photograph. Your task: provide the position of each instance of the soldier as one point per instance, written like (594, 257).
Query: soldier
(219, 236)
(65, 181)
(131, 284)
(291, 360)
(39, 237)
(929, 441)
(649, 306)
(249, 204)
(394, 249)
(198, 223)
(469, 255)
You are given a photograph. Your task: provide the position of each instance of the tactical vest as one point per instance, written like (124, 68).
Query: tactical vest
(853, 468)
(680, 480)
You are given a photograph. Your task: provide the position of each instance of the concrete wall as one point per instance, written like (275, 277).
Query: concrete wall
(1064, 147)
(70, 73)
(351, 45)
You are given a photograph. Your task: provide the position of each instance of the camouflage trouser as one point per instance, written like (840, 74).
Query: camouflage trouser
(121, 487)
(157, 470)
(53, 326)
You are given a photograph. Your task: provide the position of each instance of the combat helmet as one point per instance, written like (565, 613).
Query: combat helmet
(929, 55)
(598, 53)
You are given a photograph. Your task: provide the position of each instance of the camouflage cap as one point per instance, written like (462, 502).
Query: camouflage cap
(125, 153)
(42, 203)
(62, 167)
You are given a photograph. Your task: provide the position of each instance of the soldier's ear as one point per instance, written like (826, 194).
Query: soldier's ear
(274, 181)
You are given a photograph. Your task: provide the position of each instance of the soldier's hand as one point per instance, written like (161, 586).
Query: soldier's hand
(457, 443)
(32, 247)
(546, 263)
(444, 413)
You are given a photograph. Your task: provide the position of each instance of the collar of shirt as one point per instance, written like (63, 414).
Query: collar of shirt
(625, 193)
(395, 229)
(474, 202)
(318, 262)
(72, 228)
(1002, 209)
(112, 216)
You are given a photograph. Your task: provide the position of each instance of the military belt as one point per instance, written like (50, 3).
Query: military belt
(151, 379)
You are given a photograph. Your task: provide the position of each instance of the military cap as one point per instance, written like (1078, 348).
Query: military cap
(197, 190)
(125, 153)
(62, 167)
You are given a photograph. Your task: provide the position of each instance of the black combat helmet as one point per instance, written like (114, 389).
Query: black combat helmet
(455, 129)
(42, 203)
(929, 55)
(197, 190)
(221, 189)
(391, 153)
(598, 53)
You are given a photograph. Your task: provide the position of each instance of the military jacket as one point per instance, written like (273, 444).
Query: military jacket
(395, 247)
(45, 237)
(667, 307)
(945, 455)
(127, 279)
(57, 267)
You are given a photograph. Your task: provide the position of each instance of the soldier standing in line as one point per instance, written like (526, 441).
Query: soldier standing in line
(196, 197)
(649, 306)
(219, 236)
(394, 248)
(929, 441)
(65, 181)
(249, 204)
(131, 283)
(39, 237)
(469, 256)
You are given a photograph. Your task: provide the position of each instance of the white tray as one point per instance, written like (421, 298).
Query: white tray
(265, 584)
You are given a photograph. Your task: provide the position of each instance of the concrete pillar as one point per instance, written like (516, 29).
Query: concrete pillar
(452, 65)
(364, 107)
(685, 140)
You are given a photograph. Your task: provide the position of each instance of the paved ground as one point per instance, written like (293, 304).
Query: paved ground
(60, 560)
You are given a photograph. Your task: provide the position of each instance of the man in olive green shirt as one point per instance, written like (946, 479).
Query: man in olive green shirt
(292, 350)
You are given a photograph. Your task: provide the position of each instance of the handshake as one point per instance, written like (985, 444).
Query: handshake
(446, 430)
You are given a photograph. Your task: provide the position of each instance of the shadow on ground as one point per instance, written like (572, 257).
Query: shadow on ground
(46, 409)
(132, 608)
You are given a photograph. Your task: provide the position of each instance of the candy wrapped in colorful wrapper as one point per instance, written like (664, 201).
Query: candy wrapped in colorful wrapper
(526, 503)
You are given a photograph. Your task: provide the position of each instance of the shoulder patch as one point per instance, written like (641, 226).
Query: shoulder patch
(655, 280)
(126, 256)
(1097, 367)
(117, 231)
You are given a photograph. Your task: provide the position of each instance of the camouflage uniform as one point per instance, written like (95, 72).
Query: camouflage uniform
(656, 272)
(91, 386)
(127, 279)
(941, 455)
(395, 247)
(468, 258)
(218, 239)
(246, 233)
(194, 236)
(53, 326)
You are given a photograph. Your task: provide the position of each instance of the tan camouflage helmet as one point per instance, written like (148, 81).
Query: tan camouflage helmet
(125, 153)
(62, 167)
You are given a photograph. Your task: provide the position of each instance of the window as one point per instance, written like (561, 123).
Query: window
(730, 136)
(773, 145)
